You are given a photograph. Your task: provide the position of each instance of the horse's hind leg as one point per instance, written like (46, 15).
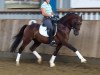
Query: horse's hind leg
(33, 47)
(83, 60)
(52, 64)
(24, 44)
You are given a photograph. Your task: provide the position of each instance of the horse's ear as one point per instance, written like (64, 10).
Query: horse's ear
(80, 15)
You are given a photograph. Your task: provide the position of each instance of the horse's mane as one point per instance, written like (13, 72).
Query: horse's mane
(64, 18)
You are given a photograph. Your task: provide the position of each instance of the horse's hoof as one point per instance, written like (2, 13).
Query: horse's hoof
(83, 61)
(39, 61)
(17, 63)
(52, 65)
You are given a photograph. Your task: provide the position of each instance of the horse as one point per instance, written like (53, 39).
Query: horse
(71, 21)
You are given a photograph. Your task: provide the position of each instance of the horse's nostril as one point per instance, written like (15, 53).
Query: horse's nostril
(76, 33)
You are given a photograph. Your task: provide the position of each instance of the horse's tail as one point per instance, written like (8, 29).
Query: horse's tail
(18, 39)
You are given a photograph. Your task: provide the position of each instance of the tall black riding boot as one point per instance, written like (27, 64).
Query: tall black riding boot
(51, 39)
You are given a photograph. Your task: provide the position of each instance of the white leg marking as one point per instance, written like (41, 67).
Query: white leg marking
(18, 59)
(83, 60)
(38, 56)
(52, 64)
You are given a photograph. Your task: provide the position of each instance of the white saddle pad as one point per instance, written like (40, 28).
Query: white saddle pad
(43, 31)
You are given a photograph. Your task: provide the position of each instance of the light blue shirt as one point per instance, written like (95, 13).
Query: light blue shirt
(47, 7)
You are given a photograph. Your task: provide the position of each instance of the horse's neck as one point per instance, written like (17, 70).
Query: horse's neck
(62, 28)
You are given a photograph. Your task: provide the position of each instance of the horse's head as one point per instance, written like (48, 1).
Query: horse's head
(76, 24)
(72, 21)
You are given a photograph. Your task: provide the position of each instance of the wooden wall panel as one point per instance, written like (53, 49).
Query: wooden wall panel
(88, 42)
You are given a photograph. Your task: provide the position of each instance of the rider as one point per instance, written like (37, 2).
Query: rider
(47, 12)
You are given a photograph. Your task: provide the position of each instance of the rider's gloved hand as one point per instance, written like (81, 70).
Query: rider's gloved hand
(52, 15)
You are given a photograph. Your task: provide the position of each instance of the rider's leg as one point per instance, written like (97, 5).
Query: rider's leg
(48, 23)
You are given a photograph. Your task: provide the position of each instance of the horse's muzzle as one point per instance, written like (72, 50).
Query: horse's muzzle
(76, 32)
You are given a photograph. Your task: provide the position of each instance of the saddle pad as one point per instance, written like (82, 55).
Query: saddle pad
(43, 31)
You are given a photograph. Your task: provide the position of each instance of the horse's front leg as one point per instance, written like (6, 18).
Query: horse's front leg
(83, 60)
(52, 64)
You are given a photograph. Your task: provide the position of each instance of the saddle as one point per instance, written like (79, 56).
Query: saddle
(43, 30)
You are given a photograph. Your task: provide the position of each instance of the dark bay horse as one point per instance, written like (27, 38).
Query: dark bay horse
(31, 32)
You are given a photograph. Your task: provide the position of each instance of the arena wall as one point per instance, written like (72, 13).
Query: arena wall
(87, 42)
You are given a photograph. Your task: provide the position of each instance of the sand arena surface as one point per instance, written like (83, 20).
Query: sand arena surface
(28, 67)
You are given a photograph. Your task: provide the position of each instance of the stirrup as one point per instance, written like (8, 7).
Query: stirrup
(53, 43)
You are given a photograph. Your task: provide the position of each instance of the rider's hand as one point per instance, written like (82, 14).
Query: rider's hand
(52, 15)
